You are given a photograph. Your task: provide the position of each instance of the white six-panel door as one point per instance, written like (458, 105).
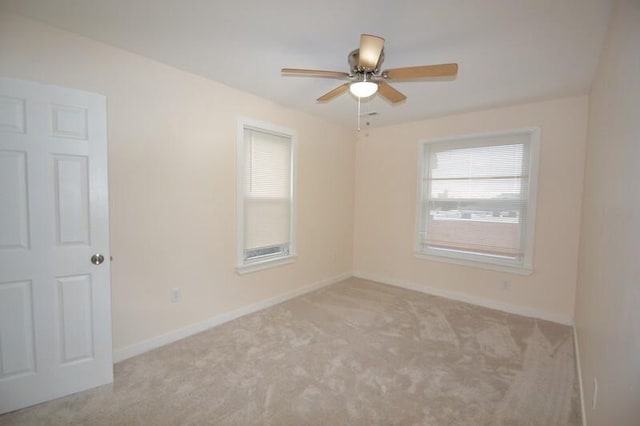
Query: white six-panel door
(55, 304)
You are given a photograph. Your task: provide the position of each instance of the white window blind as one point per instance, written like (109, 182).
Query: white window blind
(267, 194)
(476, 199)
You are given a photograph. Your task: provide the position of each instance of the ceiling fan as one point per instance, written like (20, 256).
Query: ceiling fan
(365, 77)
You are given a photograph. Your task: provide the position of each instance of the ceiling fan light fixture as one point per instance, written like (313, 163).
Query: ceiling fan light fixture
(363, 89)
(365, 78)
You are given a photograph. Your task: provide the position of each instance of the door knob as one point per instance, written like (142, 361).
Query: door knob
(97, 259)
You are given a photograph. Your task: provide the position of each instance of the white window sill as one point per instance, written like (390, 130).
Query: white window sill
(520, 270)
(265, 264)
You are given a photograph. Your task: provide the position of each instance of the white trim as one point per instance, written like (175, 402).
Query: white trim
(474, 300)
(498, 133)
(579, 369)
(265, 264)
(485, 264)
(240, 192)
(173, 336)
(246, 123)
(526, 268)
(534, 166)
(417, 243)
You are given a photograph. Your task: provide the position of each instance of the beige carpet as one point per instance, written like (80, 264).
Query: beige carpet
(354, 353)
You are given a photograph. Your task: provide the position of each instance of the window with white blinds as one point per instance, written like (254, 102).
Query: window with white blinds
(266, 204)
(477, 201)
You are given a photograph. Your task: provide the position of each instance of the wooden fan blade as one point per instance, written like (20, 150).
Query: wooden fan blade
(425, 71)
(390, 93)
(314, 73)
(335, 92)
(370, 49)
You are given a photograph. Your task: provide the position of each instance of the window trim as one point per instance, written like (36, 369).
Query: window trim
(242, 266)
(479, 260)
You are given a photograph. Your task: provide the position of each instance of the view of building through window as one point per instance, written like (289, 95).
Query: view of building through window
(475, 197)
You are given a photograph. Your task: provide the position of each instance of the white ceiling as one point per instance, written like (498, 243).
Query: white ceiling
(508, 51)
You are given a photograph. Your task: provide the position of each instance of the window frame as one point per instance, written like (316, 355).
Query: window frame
(483, 261)
(244, 266)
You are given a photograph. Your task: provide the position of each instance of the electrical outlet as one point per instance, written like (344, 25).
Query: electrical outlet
(176, 296)
(594, 400)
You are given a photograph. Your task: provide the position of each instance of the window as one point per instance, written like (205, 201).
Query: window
(265, 196)
(477, 200)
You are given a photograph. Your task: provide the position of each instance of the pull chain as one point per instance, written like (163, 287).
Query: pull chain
(358, 113)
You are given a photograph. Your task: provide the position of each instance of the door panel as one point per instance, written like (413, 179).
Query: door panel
(75, 306)
(16, 329)
(71, 195)
(13, 204)
(55, 311)
(12, 114)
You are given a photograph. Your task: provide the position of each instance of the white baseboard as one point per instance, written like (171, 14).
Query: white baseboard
(173, 336)
(165, 339)
(474, 300)
(579, 369)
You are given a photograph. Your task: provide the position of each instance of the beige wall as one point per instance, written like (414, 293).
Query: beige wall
(172, 137)
(608, 293)
(385, 209)
(172, 170)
